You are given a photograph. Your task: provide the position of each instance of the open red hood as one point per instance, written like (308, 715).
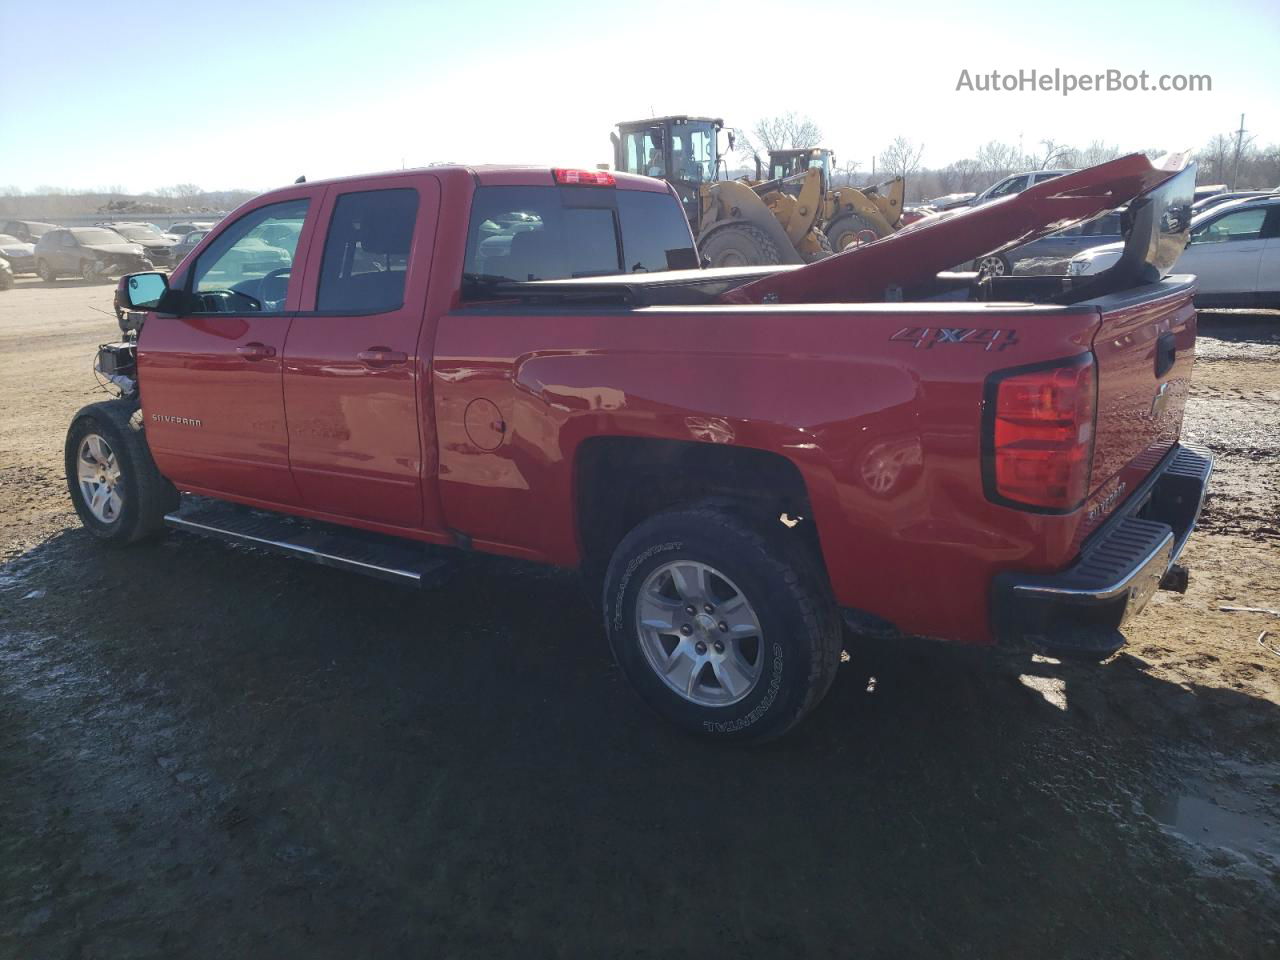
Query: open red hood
(917, 253)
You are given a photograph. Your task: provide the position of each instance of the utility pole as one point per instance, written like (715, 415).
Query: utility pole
(1235, 173)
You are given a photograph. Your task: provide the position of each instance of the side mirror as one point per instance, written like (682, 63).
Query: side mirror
(141, 291)
(731, 140)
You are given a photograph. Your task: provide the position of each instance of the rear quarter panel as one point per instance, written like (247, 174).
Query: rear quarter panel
(878, 406)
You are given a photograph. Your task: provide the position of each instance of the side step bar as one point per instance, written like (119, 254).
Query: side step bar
(373, 554)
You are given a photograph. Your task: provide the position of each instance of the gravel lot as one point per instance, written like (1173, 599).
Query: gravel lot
(210, 752)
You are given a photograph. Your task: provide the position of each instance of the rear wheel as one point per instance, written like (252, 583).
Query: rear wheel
(720, 629)
(115, 487)
(46, 271)
(740, 245)
(845, 231)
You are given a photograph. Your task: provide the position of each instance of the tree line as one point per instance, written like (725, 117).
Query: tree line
(1233, 159)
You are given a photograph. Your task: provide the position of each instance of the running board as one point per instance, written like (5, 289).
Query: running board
(330, 545)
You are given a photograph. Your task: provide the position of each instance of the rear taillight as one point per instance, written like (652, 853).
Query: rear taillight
(584, 178)
(1039, 434)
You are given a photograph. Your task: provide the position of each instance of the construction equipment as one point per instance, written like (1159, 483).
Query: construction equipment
(736, 223)
(849, 214)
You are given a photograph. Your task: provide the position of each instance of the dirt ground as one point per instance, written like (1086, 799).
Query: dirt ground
(209, 752)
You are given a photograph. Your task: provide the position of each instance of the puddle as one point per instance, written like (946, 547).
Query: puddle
(1243, 819)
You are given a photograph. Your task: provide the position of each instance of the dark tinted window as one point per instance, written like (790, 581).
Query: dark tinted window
(366, 253)
(553, 233)
(655, 233)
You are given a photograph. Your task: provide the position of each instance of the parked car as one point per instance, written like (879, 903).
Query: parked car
(1208, 203)
(1014, 183)
(87, 252)
(21, 256)
(1233, 250)
(6, 274)
(513, 392)
(28, 231)
(182, 229)
(158, 247)
(1057, 248)
(190, 240)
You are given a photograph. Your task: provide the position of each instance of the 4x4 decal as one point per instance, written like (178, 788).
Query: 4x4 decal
(985, 337)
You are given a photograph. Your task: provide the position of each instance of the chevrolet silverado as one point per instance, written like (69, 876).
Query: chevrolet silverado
(742, 462)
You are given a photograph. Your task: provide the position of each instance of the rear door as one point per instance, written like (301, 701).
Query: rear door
(211, 379)
(352, 371)
(1225, 253)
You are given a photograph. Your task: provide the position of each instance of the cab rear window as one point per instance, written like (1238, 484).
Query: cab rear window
(554, 233)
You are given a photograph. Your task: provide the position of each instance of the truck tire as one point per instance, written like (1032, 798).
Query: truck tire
(844, 230)
(46, 271)
(721, 630)
(115, 487)
(740, 245)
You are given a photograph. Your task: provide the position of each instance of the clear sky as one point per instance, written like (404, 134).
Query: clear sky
(251, 94)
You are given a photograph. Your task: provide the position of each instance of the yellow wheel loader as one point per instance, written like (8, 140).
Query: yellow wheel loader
(736, 223)
(848, 214)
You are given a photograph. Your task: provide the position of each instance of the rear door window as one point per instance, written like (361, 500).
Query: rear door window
(366, 254)
(553, 233)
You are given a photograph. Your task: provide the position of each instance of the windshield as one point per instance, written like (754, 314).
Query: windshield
(137, 232)
(98, 235)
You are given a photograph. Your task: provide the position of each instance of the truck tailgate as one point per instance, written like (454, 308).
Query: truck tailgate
(1144, 348)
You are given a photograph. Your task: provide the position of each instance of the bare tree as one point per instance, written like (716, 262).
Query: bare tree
(1051, 154)
(1096, 152)
(995, 159)
(846, 172)
(785, 131)
(901, 158)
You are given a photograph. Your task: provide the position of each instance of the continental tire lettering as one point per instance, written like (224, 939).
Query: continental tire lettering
(180, 421)
(631, 569)
(761, 708)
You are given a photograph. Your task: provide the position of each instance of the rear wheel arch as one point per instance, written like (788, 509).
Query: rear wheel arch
(619, 482)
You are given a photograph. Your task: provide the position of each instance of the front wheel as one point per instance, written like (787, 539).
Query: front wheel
(46, 271)
(721, 630)
(115, 487)
(993, 265)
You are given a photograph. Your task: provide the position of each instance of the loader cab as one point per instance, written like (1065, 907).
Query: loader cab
(684, 151)
(789, 163)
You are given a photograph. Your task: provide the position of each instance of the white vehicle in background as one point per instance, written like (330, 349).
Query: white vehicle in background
(1233, 248)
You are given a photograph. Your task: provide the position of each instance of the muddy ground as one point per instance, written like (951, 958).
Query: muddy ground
(208, 752)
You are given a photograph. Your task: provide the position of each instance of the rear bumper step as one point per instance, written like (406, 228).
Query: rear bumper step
(1080, 611)
(373, 554)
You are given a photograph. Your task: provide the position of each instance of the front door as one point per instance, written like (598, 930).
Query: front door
(211, 379)
(1225, 253)
(352, 370)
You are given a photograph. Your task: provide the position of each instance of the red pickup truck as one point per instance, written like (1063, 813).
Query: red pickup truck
(742, 462)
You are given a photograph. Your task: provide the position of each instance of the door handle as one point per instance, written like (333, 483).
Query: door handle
(1166, 353)
(381, 357)
(255, 351)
